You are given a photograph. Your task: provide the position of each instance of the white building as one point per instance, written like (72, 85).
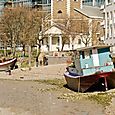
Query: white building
(109, 22)
(96, 3)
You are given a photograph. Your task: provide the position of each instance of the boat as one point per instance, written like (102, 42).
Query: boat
(8, 65)
(92, 68)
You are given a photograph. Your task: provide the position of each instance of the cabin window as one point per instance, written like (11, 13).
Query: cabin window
(87, 54)
(94, 51)
(82, 54)
(103, 50)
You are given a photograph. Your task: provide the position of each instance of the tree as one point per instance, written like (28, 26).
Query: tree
(68, 33)
(97, 32)
(11, 27)
(22, 26)
(88, 29)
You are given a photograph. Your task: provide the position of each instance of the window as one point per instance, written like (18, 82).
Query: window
(109, 1)
(59, 11)
(85, 54)
(79, 41)
(111, 15)
(82, 54)
(107, 15)
(114, 14)
(59, 14)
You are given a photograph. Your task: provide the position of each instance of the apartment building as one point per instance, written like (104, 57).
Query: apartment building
(97, 3)
(13, 3)
(42, 4)
(109, 22)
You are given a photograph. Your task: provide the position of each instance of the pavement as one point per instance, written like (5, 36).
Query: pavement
(36, 73)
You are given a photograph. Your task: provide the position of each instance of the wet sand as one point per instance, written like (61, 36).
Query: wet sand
(24, 96)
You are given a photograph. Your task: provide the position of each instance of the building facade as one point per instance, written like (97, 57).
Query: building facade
(64, 15)
(42, 4)
(97, 3)
(3, 3)
(109, 22)
(69, 24)
(62, 9)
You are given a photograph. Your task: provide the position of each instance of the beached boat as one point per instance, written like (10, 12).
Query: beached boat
(8, 65)
(93, 66)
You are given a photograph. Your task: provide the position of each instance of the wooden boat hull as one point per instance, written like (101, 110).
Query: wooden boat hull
(83, 83)
(80, 83)
(7, 65)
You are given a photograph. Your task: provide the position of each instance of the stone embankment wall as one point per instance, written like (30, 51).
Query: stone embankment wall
(57, 60)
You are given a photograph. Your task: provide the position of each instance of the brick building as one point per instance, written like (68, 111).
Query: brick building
(71, 22)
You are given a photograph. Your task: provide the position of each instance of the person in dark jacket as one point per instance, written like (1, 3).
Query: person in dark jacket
(45, 60)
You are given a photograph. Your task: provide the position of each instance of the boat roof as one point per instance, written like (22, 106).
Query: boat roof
(93, 47)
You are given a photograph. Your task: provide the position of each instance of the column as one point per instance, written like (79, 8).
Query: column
(93, 3)
(60, 42)
(71, 43)
(112, 24)
(50, 42)
(106, 23)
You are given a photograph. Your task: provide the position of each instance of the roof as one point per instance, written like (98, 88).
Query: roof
(53, 30)
(56, 28)
(92, 47)
(90, 11)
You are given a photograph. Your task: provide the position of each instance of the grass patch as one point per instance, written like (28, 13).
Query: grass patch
(71, 96)
(101, 98)
(48, 89)
(56, 82)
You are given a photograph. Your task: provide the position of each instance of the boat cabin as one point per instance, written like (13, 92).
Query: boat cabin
(94, 59)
